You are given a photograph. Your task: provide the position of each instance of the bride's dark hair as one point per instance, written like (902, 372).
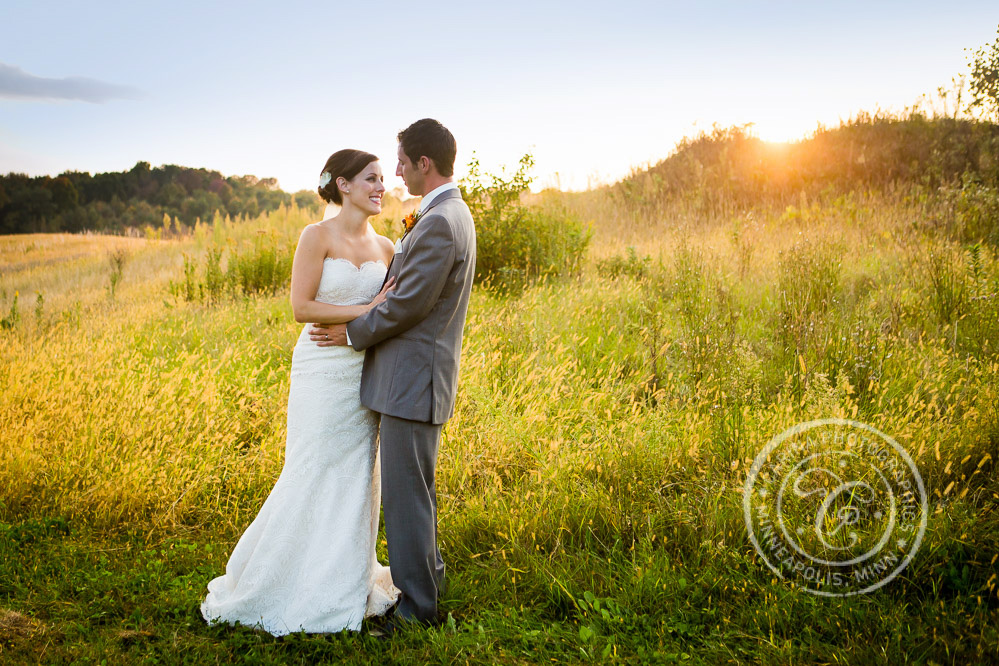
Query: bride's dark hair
(346, 164)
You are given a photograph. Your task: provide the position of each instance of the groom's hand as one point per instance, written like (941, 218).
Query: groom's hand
(329, 335)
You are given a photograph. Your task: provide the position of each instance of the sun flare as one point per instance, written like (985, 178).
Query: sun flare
(783, 130)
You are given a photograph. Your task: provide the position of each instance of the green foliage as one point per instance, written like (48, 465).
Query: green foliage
(116, 261)
(984, 81)
(630, 264)
(262, 268)
(858, 353)
(188, 288)
(808, 288)
(12, 317)
(808, 282)
(948, 284)
(516, 244)
(258, 267)
(214, 279)
(974, 212)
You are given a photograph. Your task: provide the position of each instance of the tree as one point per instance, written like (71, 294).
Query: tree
(984, 82)
(171, 195)
(64, 195)
(74, 201)
(201, 205)
(308, 199)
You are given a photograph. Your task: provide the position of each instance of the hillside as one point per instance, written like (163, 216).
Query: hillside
(870, 151)
(948, 168)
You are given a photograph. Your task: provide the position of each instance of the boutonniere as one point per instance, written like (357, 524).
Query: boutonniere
(410, 221)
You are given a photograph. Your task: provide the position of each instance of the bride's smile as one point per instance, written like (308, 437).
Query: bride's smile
(365, 190)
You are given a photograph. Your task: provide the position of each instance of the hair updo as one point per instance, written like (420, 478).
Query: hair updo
(346, 164)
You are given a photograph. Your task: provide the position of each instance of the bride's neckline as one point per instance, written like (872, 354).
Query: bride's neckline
(348, 261)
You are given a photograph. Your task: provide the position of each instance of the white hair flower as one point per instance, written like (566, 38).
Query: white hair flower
(324, 178)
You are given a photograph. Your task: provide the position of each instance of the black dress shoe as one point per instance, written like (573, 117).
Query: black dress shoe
(390, 628)
(376, 624)
(396, 624)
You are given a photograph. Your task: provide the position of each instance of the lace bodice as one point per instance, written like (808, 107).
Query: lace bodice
(343, 283)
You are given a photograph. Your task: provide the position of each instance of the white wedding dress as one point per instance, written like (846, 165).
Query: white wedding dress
(307, 562)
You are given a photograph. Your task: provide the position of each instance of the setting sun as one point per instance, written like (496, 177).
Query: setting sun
(785, 129)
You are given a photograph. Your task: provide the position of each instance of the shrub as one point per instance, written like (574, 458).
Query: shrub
(807, 283)
(631, 264)
(984, 65)
(263, 268)
(260, 267)
(518, 245)
(13, 317)
(214, 278)
(116, 260)
(976, 212)
(946, 277)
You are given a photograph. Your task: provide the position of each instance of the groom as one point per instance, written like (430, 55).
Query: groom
(413, 343)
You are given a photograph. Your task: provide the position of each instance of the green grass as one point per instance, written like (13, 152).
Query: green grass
(132, 597)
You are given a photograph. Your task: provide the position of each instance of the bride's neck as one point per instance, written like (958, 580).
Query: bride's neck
(352, 220)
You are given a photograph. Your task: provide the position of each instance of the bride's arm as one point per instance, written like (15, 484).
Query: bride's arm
(306, 271)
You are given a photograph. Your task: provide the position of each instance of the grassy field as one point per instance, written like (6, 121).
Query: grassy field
(590, 483)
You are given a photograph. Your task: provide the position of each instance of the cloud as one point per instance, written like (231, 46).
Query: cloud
(15, 83)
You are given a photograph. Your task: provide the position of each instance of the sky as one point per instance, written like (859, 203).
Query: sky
(592, 90)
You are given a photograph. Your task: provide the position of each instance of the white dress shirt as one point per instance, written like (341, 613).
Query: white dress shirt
(429, 197)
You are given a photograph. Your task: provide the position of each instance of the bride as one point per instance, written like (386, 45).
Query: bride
(307, 562)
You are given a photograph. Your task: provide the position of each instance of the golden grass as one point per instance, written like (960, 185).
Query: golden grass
(579, 400)
(604, 428)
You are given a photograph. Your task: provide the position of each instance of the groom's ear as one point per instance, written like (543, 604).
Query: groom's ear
(426, 164)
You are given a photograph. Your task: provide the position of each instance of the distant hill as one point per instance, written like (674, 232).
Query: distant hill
(733, 167)
(112, 202)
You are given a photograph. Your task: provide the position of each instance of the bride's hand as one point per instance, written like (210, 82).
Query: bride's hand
(383, 294)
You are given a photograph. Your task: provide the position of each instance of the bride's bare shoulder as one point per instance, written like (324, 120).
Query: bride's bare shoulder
(316, 230)
(315, 237)
(386, 246)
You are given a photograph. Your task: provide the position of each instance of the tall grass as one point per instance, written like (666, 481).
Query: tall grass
(590, 481)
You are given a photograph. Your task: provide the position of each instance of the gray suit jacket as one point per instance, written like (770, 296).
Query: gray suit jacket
(413, 339)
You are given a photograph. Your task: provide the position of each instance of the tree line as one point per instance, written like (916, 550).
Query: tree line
(144, 196)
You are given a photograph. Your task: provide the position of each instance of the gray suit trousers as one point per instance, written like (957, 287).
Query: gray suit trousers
(409, 459)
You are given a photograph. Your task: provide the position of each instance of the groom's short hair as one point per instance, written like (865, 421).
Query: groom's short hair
(429, 138)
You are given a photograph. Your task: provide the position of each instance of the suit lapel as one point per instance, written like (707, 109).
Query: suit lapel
(443, 196)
